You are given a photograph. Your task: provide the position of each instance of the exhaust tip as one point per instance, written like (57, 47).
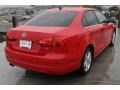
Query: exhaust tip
(11, 64)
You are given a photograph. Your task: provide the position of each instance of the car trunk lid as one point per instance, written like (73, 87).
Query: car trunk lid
(40, 38)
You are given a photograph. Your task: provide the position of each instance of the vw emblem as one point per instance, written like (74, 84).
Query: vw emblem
(23, 35)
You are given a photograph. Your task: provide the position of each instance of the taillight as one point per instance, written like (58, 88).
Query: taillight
(9, 40)
(46, 43)
(59, 45)
(59, 42)
(55, 42)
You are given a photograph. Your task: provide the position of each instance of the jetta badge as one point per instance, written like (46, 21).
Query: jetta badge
(23, 35)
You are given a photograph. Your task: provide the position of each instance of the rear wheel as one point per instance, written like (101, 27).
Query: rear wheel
(86, 62)
(113, 39)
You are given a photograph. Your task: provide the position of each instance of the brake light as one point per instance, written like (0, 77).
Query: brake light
(59, 42)
(9, 40)
(45, 41)
(56, 42)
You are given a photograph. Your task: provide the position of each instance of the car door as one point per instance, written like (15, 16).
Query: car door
(106, 27)
(95, 30)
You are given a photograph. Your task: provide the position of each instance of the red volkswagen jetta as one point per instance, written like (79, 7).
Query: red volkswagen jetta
(60, 41)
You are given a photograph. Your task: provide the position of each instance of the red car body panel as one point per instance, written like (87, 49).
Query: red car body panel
(73, 40)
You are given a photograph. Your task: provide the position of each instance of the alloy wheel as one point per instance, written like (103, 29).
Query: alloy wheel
(87, 61)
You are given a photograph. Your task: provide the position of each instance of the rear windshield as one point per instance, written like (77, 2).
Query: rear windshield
(56, 18)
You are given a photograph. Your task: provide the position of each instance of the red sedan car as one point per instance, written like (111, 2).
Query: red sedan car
(59, 41)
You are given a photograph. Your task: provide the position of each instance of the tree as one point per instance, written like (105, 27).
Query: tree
(93, 6)
(97, 7)
(113, 8)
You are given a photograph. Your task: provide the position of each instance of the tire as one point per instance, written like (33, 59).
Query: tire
(113, 39)
(86, 62)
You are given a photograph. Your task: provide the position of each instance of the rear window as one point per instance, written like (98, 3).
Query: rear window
(59, 19)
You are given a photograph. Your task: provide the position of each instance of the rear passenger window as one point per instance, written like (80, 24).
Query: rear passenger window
(84, 22)
(91, 18)
(100, 17)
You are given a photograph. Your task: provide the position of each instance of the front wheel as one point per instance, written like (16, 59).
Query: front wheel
(86, 62)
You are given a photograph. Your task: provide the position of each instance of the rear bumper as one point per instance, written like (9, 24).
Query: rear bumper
(56, 64)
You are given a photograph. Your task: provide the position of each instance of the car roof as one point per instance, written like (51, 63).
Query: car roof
(77, 9)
